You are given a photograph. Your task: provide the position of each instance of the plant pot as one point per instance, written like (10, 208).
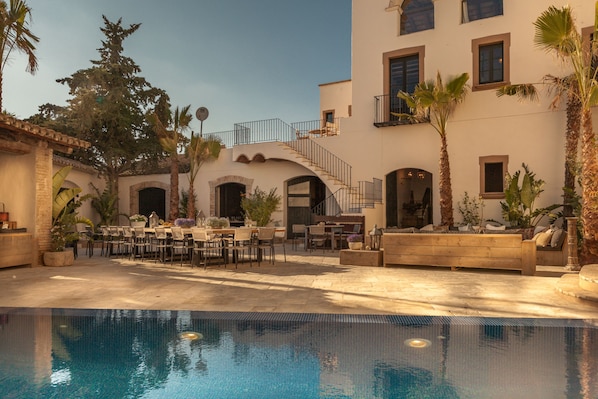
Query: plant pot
(355, 245)
(58, 259)
(137, 224)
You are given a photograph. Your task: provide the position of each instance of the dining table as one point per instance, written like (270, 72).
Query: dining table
(332, 230)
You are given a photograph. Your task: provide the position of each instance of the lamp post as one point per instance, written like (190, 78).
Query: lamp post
(375, 238)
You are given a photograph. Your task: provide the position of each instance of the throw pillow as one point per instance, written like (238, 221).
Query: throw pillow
(557, 238)
(492, 227)
(544, 238)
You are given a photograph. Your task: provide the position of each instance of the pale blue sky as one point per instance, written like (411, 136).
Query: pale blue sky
(244, 60)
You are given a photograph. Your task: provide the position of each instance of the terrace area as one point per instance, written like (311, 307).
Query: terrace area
(306, 283)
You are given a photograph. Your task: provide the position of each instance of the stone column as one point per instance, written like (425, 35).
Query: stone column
(572, 260)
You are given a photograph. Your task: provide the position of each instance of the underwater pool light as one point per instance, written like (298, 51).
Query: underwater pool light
(417, 343)
(190, 335)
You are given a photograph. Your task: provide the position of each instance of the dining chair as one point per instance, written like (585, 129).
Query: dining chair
(178, 243)
(127, 239)
(160, 243)
(240, 243)
(280, 236)
(317, 237)
(141, 243)
(205, 247)
(298, 231)
(116, 239)
(264, 242)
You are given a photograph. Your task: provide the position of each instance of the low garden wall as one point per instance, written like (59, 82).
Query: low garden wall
(482, 251)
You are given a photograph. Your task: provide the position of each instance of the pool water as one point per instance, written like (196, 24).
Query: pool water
(67, 353)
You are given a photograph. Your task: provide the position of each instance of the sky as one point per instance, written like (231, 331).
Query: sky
(244, 60)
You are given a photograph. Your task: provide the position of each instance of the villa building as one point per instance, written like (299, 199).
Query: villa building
(359, 158)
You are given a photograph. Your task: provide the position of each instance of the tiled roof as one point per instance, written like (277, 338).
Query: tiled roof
(18, 126)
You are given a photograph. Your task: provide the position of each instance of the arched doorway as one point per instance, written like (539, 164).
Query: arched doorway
(408, 198)
(229, 202)
(152, 199)
(303, 193)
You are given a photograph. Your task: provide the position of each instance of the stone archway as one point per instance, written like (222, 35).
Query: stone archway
(248, 183)
(134, 194)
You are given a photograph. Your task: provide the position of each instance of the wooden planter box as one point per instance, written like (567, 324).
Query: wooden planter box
(17, 249)
(482, 251)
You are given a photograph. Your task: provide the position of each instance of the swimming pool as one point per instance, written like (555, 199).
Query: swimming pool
(67, 353)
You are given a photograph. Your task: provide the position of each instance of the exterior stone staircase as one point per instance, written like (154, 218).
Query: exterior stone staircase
(583, 285)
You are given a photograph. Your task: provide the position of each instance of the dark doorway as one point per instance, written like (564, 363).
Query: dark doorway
(229, 203)
(303, 193)
(409, 198)
(152, 199)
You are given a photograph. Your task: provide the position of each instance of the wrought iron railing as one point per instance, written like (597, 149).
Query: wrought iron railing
(323, 159)
(271, 130)
(351, 199)
(386, 107)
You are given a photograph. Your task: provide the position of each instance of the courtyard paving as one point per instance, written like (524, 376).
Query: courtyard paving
(306, 283)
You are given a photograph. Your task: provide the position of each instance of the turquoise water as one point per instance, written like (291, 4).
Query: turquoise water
(66, 353)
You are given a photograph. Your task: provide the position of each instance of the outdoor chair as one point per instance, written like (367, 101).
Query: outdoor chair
(298, 231)
(263, 243)
(205, 247)
(141, 243)
(179, 243)
(240, 243)
(279, 240)
(161, 244)
(317, 237)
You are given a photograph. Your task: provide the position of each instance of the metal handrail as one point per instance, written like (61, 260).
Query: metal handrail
(351, 199)
(323, 159)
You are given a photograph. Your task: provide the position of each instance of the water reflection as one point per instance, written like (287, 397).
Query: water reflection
(134, 354)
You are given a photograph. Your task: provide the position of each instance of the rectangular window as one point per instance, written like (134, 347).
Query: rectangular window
(417, 15)
(473, 10)
(587, 36)
(492, 176)
(404, 76)
(491, 61)
(403, 70)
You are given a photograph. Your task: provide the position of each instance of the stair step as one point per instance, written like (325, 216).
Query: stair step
(568, 284)
(588, 278)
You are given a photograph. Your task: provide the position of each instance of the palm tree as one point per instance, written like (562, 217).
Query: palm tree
(170, 135)
(199, 151)
(563, 87)
(555, 31)
(15, 35)
(435, 102)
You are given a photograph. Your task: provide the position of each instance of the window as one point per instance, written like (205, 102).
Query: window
(473, 10)
(491, 62)
(328, 116)
(492, 176)
(403, 70)
(417, 15)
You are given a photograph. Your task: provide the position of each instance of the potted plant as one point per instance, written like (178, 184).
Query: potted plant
(355, 241)
(64, 220)
(138, 220)
(260, 205)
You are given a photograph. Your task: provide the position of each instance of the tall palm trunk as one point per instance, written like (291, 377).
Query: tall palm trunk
(1, 78)
(191, 201)
(174, 187)
(444, 185)
(574, 108)
(589, 181)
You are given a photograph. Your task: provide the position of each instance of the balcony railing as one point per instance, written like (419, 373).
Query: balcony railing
(270, 130)
(386, 106)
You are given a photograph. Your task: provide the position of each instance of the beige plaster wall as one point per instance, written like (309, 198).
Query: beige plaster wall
(482, 125)
(17, 188)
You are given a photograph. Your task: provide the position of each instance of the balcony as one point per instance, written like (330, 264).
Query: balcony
(270, 130)
(385, 109)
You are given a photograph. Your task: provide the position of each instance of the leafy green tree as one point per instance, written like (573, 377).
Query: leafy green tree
(199, 151)
(170, 128)
(108, 108)
(555, 32)
(15, 35)
(433, 101)
(260, 205)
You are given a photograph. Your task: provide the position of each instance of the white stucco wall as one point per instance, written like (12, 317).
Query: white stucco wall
(17, 188)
